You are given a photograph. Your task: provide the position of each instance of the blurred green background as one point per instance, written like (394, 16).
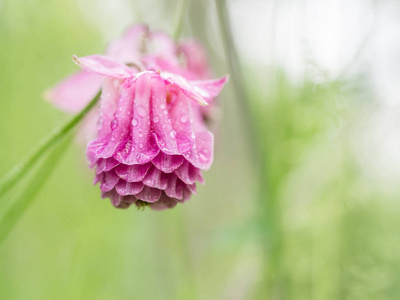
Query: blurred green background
(315, 216)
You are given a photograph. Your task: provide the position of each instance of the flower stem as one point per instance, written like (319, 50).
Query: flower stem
(35, 182)
(19, 170)
(179, 17)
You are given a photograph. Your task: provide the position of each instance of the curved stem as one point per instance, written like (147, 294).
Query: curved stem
(19, 170)
(29, 191)
(179, 17)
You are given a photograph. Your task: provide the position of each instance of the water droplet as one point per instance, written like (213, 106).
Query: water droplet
(113, 124)
(165, 112)
(193, 135)
(141, 145)
(134, 122)
(162, 106)
(183, 119)
(172, 133)
(140, 134)
(163, 125)
(169, 121)
(156, 119)
(141, 111)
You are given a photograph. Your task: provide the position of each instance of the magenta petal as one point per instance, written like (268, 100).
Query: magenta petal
(175, 187)
(128, 188)
(108, 181)
(140, 147)
(149, 194)
(167, 163)
(156, 179)
(114, 197)
(103, 65)
(202, 156)
(164, 202)
(185, 86)
(192, 188)
(105, 165)
(209, 89)
(196, 58)
(75, 92)
(186, 172)
(133, 173)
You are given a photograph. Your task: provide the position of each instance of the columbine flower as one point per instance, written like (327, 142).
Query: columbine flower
(152, 144)
(141, 48)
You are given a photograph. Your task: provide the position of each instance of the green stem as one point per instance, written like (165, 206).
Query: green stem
(179, 17)
(29, 191)
(269, 214)
(237, 79)
(19, 170)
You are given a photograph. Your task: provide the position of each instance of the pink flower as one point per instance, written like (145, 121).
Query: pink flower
(152, 144)
(140, 47)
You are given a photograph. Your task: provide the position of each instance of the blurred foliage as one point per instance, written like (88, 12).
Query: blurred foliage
(314, 225)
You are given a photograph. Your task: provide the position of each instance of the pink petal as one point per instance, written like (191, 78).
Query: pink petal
(105, 165)
(202, 156)
(187, 173)
(167, 163)
(175, 187)
(156, 179)
(75, 92)
(103, 65)
(163, 46)
(124, 188)
(114, 197)
(149, 194)
(164, 202)
(127, 48)
(133, 173)
(209, 89)
(185, 86)
(108, 181)
(196, 58)
(171, 135)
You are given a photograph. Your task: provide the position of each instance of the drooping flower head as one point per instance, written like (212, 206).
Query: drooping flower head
(152, 143)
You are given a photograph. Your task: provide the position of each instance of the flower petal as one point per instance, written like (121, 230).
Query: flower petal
(127, 48)
(124, 188)
(133, 173)
(196, 58)
(103, 65)
(209, 89)
(164, 202)
(149, 194)
(156, 179)
(167, 163)
(108, 181)
(75, 92)
(187, 173)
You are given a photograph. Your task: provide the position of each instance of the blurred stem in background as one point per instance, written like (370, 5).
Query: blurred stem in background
(34, 182)
(269, 221)
(179, 18)
(32, 187)
(19, 170)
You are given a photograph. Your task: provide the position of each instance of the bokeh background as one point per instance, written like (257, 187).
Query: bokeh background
(303, 200)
